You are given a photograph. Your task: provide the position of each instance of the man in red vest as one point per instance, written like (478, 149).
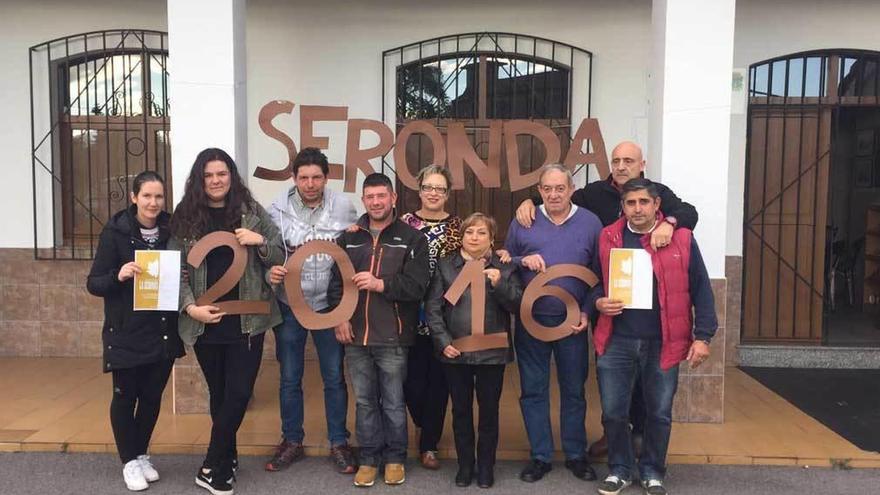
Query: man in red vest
(648, 344)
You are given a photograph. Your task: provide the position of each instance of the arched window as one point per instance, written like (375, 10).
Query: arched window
(477, 77)
(99, 117)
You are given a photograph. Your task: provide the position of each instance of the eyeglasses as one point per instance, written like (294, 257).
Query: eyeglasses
(426, 188)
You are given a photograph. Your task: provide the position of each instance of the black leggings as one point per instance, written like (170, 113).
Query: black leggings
(230, 371)
(425, 392)
(134, 409)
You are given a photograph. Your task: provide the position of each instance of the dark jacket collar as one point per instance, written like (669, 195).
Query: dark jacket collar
(125, 222)
(458, 260)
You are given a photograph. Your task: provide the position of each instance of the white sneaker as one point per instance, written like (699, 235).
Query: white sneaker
(134, 476)
(150, 472)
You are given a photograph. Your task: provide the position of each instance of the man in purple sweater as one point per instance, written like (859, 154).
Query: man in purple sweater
(562, 233)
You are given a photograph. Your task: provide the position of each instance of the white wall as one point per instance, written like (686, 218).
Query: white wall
(24, 23)
(330, 53)
(770, 29)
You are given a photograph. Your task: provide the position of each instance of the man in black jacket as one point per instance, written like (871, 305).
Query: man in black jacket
(603, 199)
(391, 261)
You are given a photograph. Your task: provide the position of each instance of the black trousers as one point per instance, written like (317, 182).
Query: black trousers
(134, 409)
(230, 370)
(487, 380)
(425, 392)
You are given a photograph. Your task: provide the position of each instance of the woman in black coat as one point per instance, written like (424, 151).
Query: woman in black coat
(139, 346)
(480, 371)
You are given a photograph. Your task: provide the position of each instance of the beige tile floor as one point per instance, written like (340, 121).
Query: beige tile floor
(61, 404)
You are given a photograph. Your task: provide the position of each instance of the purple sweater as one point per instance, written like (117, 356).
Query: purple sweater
(572, 242)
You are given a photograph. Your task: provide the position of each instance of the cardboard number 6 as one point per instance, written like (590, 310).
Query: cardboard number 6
(236, 270)
(292, 284)
(538, 288)
(472, 276)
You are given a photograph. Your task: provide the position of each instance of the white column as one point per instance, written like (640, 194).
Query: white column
(207, 83)
(689, 136)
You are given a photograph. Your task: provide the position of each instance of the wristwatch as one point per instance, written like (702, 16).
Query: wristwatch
(671, 221)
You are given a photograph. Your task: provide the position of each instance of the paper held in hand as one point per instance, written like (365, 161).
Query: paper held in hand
(631, 278)
(157, 287)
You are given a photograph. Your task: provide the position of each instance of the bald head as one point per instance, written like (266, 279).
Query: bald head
(626, 162)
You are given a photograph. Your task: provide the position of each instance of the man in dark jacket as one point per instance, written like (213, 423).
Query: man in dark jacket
(391, 261)
(603, 199)
(648, 344)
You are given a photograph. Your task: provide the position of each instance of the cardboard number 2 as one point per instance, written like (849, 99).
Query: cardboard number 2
(472, 276)
(538, 288)
(292, 284)
(236, 270)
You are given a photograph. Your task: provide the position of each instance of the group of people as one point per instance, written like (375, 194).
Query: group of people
(400, 345)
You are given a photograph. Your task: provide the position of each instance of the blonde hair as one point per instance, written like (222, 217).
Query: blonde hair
(435, 170)
(477, 217)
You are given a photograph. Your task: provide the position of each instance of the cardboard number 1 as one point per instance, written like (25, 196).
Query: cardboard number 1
(292, 284)
(538, 288)
(472, 276)
(233, 274)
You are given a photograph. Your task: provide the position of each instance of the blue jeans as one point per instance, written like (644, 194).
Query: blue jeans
(624, 361)
(290, 344)
(377, 376)
(572, 364)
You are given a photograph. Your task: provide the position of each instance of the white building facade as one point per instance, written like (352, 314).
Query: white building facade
(682, 77)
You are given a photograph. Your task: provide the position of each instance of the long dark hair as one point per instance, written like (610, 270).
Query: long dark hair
(191, 219)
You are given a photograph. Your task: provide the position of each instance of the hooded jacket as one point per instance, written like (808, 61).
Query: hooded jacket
(398, 256)
(130, 338)
(299, 224)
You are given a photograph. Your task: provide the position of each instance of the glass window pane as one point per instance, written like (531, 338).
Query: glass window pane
(759, 85)
(778, 78)
(158, 85)
(795, 77)
(813, 86)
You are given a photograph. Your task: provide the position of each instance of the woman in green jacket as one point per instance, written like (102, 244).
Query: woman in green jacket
(229, 347)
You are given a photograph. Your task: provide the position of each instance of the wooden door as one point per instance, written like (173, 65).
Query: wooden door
(785, 217)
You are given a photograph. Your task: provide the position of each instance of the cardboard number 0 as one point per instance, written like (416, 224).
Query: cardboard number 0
(233, 274)
(292, 283)
(472, 276)
(538, 288)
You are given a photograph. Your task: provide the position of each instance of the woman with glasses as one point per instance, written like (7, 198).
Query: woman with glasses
(425, 387)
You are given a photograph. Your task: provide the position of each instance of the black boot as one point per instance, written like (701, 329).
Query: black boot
(465, 475)
(485, 476)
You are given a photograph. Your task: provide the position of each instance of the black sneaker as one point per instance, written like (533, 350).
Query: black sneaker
(212, 481)
(535, 470)
(654, 487)
(612, 485)
(581, 469)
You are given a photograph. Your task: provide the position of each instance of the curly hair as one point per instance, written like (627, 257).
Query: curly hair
(191, 219)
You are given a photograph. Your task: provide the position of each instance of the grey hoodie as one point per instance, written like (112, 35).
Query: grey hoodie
(299, 224)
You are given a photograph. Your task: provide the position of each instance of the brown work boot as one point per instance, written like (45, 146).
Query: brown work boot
(429, 459)
(395, 474)
(342, 457)
(285, 454)
(599, 448)
(366, 476)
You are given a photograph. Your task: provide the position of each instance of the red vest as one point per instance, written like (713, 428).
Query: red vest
(673, 288)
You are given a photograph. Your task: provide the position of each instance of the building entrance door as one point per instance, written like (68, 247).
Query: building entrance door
(802, 255)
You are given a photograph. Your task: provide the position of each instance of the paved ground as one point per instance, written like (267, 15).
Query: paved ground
(96, 474)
